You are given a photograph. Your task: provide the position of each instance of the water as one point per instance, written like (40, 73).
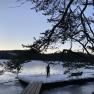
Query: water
(87, 88)
(9, 85)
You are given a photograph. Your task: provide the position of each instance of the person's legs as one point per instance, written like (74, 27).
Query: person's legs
(47, 73)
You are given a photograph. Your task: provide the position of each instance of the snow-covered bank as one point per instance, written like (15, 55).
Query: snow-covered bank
(8, 83)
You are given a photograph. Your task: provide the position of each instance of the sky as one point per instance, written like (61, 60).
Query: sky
(19, 25)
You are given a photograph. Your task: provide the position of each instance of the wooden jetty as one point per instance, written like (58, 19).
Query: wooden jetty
(33, 88)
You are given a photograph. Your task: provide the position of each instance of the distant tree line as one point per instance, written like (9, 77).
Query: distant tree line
(67, 57)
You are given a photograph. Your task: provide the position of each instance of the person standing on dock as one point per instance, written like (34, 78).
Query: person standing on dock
(48, 70)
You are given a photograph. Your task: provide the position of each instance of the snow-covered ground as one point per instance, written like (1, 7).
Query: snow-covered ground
(39, 68)
(8, 83)
(53, 78)
(36, 71)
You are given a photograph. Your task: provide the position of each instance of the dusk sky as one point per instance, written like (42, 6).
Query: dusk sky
(19, 25)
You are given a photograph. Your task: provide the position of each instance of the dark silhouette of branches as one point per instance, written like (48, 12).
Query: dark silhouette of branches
(70, 23)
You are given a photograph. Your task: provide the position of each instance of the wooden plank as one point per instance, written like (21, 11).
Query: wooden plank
(33, 88)
(38, 89)
(26, 89)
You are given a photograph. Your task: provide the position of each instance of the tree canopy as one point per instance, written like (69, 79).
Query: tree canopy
(70, 22)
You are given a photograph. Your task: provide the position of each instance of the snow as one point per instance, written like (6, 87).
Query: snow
(35, 71)
(43, 78)
(7, 76)
(39, 67)
(52, 78)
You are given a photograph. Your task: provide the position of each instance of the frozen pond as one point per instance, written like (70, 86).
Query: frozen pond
(9, 85)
